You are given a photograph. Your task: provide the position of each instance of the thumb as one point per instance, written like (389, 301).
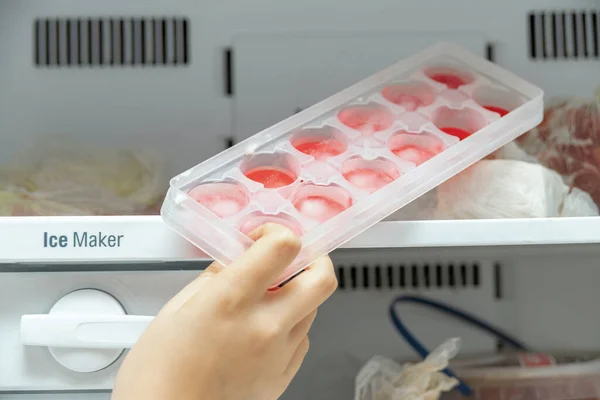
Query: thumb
(274, 249)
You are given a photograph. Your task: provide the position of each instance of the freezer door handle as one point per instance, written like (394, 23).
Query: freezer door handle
(83, 331)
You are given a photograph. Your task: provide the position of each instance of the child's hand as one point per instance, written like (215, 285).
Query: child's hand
(224, 336)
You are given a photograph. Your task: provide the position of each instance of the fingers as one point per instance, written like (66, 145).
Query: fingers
(301, 330)
(255, 271)
(297, 359)
(307, 291)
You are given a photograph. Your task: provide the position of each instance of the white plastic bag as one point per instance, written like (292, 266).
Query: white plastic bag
(501, 189)
(384, 379)
(494, 189)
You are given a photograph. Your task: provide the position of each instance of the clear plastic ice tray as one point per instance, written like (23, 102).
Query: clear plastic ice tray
(338, 167)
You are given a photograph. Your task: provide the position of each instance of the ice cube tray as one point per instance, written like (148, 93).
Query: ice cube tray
(338, 167)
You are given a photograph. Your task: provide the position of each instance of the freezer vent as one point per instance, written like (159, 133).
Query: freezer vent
(111, 42)
(409, 276)
(564, 35)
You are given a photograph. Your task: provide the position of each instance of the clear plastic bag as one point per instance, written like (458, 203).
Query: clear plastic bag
(57, 176)
(384, 379)
(568, 142)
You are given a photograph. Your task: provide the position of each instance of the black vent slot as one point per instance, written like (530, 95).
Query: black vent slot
(409, 276)
(229, 72)
(564, 35)
(111, 42)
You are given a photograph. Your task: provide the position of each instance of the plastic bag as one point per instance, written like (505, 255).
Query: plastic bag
(510, 189)
(61, 177)
(384, 379)
(568, 142)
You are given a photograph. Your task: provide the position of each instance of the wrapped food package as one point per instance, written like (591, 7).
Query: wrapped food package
(494, 189)
(60, 177)
(568, 142)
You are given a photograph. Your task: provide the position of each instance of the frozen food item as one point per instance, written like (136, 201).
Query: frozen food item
(568, 141)
(531, 376)
(502, 189)
(384, 379)
(333, 170)
(58, 176)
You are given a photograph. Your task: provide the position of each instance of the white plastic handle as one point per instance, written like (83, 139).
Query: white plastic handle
(83, 331)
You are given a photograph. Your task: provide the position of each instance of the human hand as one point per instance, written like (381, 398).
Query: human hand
(224, 336)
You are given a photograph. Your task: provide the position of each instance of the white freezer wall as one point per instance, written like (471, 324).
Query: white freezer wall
(285, 56)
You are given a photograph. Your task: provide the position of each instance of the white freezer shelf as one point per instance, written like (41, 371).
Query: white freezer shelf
(148, 239)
